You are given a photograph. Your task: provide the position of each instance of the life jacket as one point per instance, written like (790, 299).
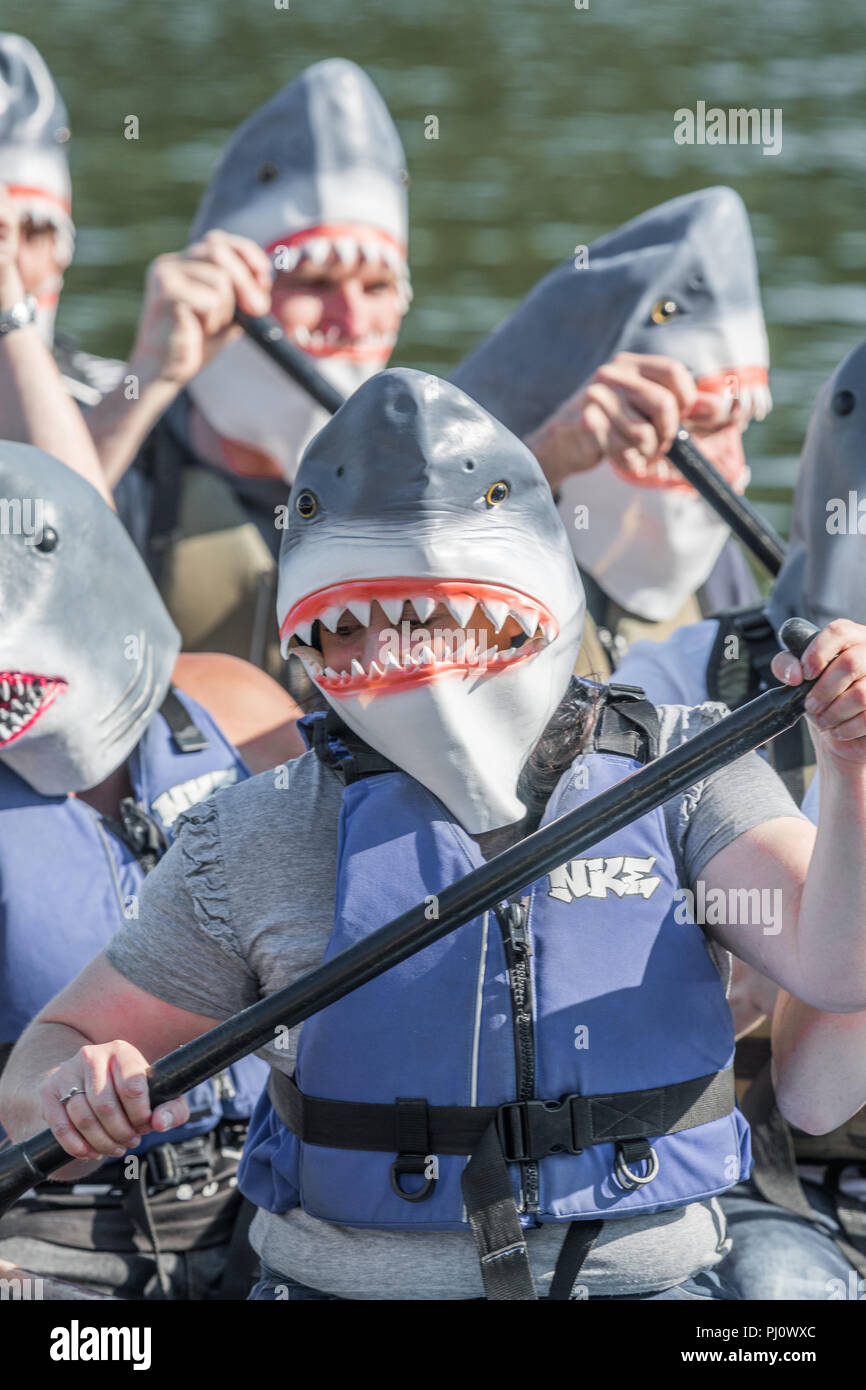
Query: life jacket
(582, 1030)
(68, 881)
(738, 670)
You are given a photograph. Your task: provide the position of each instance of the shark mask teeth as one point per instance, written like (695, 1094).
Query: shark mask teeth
(331, 343)
(321, 247)
(409, 653)
(23, 698)
(746, 387)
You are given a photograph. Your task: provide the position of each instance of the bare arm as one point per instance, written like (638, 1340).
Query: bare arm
(75, 1041)
(35, 407)
(814, 946)
(820, 1062)
(187, 317)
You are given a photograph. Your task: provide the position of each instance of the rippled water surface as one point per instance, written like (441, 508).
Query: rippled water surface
(555, 125)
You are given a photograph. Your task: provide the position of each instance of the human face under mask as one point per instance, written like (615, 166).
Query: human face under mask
(337, 309)
(340, 298)
(40, 272)
(395, 637)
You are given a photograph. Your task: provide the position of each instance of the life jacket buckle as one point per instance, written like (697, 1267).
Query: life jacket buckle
(531, 1129)
(639, 1152)
(413, 1163)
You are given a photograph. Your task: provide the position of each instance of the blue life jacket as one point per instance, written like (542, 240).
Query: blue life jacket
(67, 883)
(588, 990)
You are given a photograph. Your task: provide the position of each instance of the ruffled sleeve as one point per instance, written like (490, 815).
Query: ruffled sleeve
(182, 946)
(199, 844)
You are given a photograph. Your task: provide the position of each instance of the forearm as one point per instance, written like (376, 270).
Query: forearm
(562, 448)
(820, 1061)
(35, 407)
(119, 425)
(831, 925)
(41, 1048)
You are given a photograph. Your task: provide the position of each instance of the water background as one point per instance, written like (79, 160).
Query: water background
(555, 125)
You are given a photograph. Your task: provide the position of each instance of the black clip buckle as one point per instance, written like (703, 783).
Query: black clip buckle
(531, 1129)
(412, 1163)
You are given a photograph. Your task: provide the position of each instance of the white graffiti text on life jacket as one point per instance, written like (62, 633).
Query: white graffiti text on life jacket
(176, 800)
(624, 875)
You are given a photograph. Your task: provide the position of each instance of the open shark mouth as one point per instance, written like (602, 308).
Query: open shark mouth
(748, 387)
(23, 698)
(403, 663)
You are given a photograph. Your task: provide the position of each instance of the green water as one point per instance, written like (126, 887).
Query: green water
(555, 125)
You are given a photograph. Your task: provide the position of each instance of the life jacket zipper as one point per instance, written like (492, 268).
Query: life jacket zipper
(513, 921)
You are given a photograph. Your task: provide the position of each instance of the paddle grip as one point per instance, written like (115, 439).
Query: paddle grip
(796, 634)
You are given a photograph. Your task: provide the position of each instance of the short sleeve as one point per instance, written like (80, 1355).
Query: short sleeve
(182, 946)
(715, 811)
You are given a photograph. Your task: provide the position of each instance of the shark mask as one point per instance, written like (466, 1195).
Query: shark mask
(34, 130)
(680, 281)
(824, 574)
(86, 645)
(412, 492)
(317, 169)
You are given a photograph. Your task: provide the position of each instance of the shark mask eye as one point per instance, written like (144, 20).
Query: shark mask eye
(663, 311)
(844, 402)
(496, 493)
(48, 540)
(306, 504)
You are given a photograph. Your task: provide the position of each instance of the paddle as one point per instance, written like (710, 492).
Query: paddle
(747, 728)
(269, 336)
(744, 520)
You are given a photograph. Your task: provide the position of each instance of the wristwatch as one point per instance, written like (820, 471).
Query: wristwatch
(19, 315)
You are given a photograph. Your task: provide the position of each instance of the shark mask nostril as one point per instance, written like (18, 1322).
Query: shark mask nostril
(844, 402)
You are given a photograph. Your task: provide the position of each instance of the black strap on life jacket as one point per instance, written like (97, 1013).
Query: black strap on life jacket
(528, 1130)
(186, 736)
(494, 1136)
(738, 671)
(627, 724)
(339, 748)
(775, 1175)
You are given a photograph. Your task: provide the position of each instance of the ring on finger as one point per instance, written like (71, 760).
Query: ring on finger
(73, 1091)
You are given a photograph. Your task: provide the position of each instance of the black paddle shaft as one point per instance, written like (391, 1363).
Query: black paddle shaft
(747, 728)
(744, 520)
(266, 332)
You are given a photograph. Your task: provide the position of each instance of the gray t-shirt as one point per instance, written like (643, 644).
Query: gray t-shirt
(243, 904)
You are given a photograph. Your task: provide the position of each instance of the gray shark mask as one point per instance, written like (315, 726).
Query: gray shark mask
(318, 168)
(824, 574)
(86, 645)
(681, 281)
(414, 493)
(34, 129)
(324, 150)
